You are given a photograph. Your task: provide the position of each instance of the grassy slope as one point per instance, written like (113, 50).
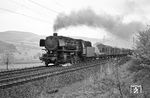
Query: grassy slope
(106, 84)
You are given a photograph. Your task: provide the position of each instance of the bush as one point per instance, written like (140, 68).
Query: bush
(142, 51)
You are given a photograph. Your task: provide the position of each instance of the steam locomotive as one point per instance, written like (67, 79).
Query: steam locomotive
(61, 50)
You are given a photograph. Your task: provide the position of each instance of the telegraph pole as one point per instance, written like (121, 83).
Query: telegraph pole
(104, 39)
(133, 42)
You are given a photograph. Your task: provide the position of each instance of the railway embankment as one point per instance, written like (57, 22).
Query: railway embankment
(110, 80)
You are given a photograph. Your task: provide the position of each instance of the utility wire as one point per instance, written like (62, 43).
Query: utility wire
(22, 5)
(24, 15)
(51, 10)
(59, 4)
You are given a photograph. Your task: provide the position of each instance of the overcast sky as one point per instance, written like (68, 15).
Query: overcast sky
(38, 16)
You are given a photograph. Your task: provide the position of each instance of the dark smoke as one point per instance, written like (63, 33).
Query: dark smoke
(89, 18)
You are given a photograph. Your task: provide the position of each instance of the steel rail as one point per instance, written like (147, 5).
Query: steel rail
(23, 78)
(47, 72)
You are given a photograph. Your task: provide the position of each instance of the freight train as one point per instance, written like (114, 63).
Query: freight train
(108, 51)
(61, 50)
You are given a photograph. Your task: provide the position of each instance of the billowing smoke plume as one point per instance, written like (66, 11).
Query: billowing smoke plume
(90, 18)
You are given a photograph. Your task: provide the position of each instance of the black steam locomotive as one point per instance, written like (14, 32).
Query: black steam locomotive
(60, 50)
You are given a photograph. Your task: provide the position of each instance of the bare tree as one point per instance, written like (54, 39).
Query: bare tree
(7, 58)
(117, 76)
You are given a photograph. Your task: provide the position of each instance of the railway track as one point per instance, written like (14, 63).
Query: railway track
(23, 76)
(19, 76)
(19, 70)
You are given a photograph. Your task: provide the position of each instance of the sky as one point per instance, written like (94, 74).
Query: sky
(39, 17)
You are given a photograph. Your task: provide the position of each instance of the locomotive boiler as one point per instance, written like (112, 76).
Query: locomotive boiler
(60, 50)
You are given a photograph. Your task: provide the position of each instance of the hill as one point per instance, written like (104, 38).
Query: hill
(26, 44)
(20, 37)
(4, 46)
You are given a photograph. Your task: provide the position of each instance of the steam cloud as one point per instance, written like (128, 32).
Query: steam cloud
(89, 18)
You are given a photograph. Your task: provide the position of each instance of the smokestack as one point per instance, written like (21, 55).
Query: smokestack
(54, 34)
